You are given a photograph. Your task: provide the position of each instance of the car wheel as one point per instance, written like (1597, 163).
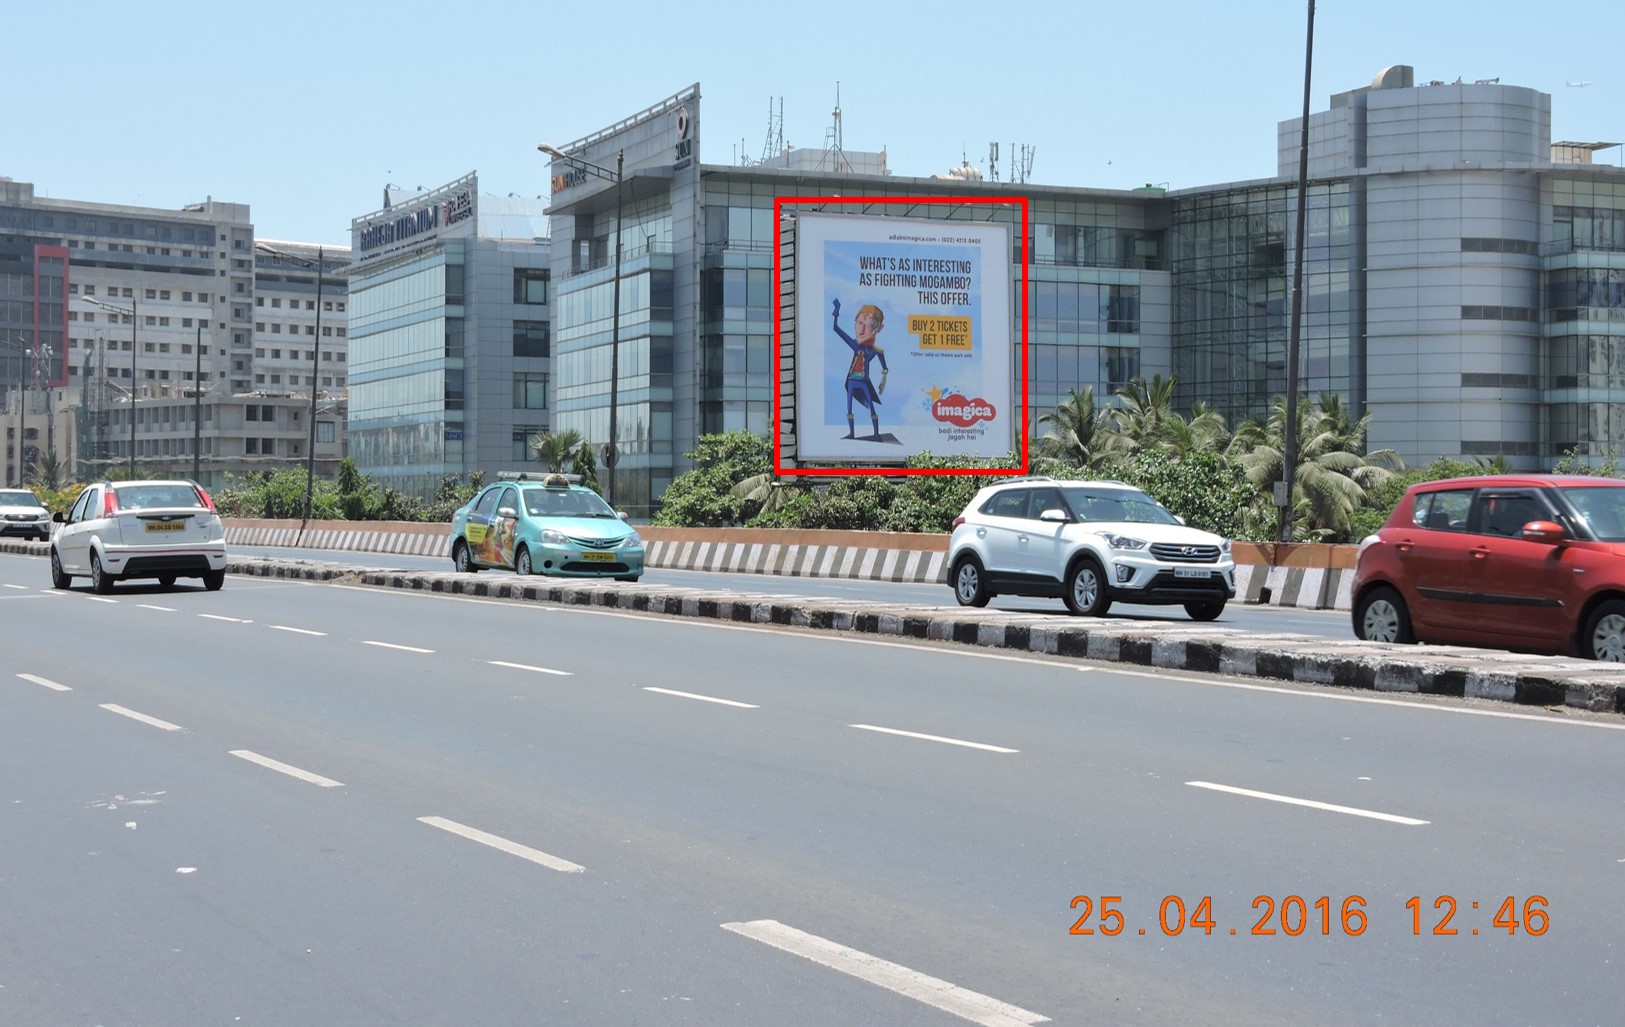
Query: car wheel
(521, 561)
(212, 580)
(970, 582)
(58, 579)
(1380, 616)
(1604, 637)
(1208, 610)
(1085, 592)
(462, 559)
(166, 580)
(100, 582)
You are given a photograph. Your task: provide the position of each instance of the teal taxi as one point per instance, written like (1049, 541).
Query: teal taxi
(544, 524)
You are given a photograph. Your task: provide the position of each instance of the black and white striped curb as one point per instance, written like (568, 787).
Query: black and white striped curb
(1172, 645)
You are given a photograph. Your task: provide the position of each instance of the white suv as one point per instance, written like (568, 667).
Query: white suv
(140, 529)
(1091, 543)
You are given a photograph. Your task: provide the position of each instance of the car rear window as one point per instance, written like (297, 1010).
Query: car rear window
(153, 497)
(1443, 511)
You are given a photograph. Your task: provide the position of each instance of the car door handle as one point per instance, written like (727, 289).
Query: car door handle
(1403, 547)
(981, 533)
(1021, 538)
(1482, 552)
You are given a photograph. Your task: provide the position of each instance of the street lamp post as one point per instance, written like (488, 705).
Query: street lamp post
(197, 406)
(134, 317)
(315, 367)
(612, 454)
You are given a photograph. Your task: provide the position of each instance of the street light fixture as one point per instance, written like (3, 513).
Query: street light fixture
(131, 310)
(315, 365)
(612, 454)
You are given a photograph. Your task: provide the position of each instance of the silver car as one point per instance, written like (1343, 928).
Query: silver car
(140, 529)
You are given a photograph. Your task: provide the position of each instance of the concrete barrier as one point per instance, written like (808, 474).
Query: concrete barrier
(1310, 576)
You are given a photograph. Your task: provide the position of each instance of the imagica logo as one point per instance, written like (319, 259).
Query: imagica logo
(956, 409)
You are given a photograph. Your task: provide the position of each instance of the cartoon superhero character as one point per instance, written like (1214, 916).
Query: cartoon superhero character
(859, 386)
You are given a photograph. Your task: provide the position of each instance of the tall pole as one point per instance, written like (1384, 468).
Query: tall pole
(315, 375)
(613, 456)
(197, 407)
(134, 317)
(1290, 455)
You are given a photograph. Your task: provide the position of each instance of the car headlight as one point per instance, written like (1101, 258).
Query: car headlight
(1122, 541)
(631, 541)
(1224, 547)
(553, 537)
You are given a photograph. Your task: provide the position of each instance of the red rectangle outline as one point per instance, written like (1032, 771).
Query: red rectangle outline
(779, 203)
(60, 345)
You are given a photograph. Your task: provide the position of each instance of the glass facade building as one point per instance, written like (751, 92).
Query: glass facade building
(450, 357)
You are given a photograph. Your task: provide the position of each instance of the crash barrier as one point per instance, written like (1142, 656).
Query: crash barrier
(1310, 576)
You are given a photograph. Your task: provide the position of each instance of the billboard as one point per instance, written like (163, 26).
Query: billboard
(903, 339)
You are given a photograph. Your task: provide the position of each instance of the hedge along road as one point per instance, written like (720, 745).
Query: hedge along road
(1261, 619)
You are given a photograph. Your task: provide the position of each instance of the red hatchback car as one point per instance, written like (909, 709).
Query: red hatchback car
(1532, 563)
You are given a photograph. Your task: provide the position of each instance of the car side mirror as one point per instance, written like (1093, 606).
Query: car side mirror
(622, 515)
(1052, 514)
(1549, 532)
(506, 511)
(58, 518)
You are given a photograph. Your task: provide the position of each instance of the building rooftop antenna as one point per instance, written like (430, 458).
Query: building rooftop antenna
(775, 130)
(832, 139)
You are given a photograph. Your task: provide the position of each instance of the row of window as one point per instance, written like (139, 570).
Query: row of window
(276, 301)
(276, 329)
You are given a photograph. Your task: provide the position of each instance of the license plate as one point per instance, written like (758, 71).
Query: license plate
(1192, 572)
(166, 525)
(598, 557)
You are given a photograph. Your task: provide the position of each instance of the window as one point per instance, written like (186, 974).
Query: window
(531, 338)
(310, 304)
(259, 301)
(268, 413)
(1443, 511)
(276, 301)
(186, 322)
(530, 391)
(251, 446)
(325, 431)
(163, 294)
(253, 413)
(530, 285)
(186, 297)
(152, 294)
(259, 326)
(276, 354)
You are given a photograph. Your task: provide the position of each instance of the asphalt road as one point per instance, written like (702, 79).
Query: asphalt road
(1239, 616)
(290, 803)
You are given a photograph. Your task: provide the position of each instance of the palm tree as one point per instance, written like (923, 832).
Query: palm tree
(557, 448)
(1147, 407)
(1333, 472)
(1083, 435)
(48, 472)
(766, 491)
(1203, 432)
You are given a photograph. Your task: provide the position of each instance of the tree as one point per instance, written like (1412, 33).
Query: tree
(1083, 432)
(1333, 472)
(48, 472)
(703, 497)
(1147, 407)
(557, 449)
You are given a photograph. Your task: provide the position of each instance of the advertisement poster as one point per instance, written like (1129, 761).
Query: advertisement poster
(903, 339)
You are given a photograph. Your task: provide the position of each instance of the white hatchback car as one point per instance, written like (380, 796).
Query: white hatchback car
(1091, 543)
(140, 529)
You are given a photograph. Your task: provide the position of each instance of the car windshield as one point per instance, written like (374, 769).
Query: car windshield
(1603, 508)
(1116, 505)
(544, 502)
(11, 497)
(154, 497)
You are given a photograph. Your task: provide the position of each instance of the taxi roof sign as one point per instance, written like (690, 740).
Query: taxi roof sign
(549, 479)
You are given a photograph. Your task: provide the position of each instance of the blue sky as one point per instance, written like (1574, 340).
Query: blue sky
(305, 111)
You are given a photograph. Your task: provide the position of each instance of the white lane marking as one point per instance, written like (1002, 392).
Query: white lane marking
(149, 606)
(298, 631)
(526, 666)
(1312, 804)
(99, 599)
(392, 645)
(1409, 704)
(503, 844)
(23, 587)
(216, 616)
(46, 682)
(142, 717)
(933, 991)
(933, 738)
(701, 698)
(283, 768)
